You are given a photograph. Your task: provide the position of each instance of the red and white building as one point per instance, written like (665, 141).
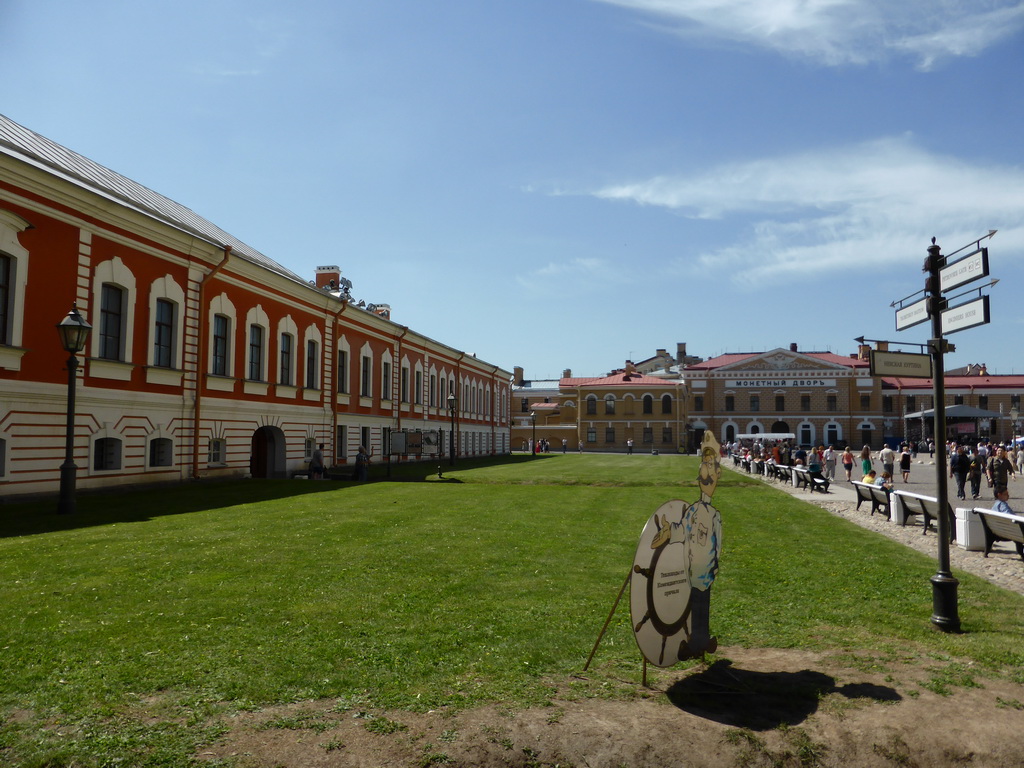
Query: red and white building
(206, 358)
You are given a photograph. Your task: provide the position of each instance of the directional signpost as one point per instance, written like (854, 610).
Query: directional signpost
(944, 275)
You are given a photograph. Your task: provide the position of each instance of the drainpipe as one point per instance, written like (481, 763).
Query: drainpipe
(334, 387)
(398, 359)
(200, 353)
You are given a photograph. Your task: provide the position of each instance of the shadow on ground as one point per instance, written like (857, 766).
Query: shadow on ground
(761, 701)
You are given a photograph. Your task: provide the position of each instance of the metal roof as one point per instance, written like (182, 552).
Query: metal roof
(29, 147)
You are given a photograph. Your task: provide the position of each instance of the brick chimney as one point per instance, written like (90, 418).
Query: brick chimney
(325, 275)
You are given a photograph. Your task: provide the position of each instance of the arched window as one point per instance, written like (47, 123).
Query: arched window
(648, 404)
(666, 403)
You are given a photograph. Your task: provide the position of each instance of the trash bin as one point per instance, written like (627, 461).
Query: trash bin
(970, 532)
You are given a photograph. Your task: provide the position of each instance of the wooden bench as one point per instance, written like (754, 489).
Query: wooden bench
(927, 507)
(784, 473)
(1002, 527)
(878, 497)
(812, 481)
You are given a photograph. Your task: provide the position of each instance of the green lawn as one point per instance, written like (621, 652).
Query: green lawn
(489, 583)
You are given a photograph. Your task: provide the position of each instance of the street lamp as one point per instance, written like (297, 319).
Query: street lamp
(533, 443)
(74, 333)
(1014, 424)
(453, 404)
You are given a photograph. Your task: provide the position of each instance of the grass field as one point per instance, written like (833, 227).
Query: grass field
(129, 629)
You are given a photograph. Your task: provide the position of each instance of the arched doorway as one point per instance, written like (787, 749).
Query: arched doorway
(267, 458)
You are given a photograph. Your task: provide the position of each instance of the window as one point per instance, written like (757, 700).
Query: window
(886, 403)
(805, 402)
(865, 404)
(341, 442)
(14, 258)
(312, 364)
(730, 403)
(161, 452)
(342, 370)
(698, 402)
(911, 404)
(221, 331)
(1015, 401)
(385, 381)
(648, 436)
(525, 405)
(106, 454)
(609, 434)
(365, 374)
(287, 356)
(404, 384)
(3, 457)
(666, 435)
(983, 401)
(417, 394)
(5, 298)
(111, 322)
(609, 405)
(648, 404)
(755, 402)
(832, 403)
(591, 405)
(216, 451)
(432, 395)
(364, 438)
(780, 403)
(666, 403)
(255, 352)
(958, 399)
(310, 447)
(591, 435)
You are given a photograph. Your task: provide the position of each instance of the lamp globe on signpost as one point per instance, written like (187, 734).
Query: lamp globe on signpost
(74, 333)
(453, 405)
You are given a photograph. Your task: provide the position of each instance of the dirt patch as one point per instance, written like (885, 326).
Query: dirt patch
(750, 707)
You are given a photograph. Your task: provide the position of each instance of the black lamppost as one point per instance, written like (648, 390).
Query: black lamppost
(74, 333)
(533, 443)
(453, 405)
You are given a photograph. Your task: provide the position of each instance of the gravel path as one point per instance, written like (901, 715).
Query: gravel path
(1002, 567)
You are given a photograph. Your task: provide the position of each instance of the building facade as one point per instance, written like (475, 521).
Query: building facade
(827, 399)
(604, 413)
(206, 358)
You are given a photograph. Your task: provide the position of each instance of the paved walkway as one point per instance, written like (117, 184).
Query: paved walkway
(1002, 567)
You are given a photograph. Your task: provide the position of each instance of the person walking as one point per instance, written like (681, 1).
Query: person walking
(974, 471)
(830, 463)
(888, 458)
(865, 459)
(959, 465)
(847, 460)
(362, 464)
(905, 462)
(999, 469)
(316, 463)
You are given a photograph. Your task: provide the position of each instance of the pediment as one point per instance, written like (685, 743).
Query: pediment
(781, 360)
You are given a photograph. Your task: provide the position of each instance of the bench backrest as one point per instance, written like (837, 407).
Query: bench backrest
(915, 504)
(1010, 527)
(871, 490)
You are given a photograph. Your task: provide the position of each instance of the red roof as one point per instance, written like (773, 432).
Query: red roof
(620, 379)
(959, 382)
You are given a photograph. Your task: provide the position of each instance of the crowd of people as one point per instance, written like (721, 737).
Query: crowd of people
(968, 465)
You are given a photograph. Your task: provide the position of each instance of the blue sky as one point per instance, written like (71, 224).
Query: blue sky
(568, 183)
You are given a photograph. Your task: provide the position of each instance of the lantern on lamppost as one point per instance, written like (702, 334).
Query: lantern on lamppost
(74, 334)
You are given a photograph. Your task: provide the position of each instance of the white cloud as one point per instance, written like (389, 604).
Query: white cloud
(842, 31)
(833, 211)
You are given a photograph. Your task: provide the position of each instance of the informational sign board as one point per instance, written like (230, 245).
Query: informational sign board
(970, 267)
(965, 316)
(912, 315)
(410, 443)
(675, 565)
(903, 364)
